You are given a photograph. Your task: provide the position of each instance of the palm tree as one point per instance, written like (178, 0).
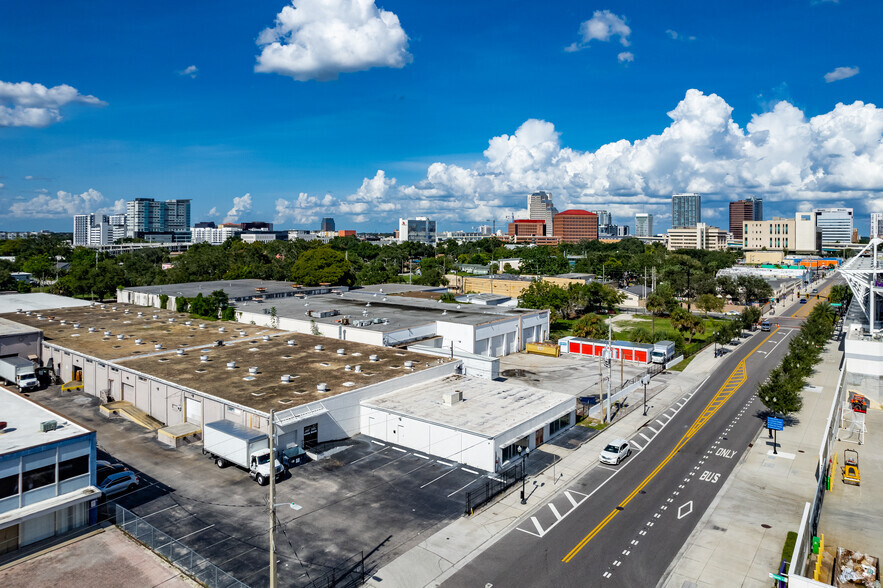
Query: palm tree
(655, 304)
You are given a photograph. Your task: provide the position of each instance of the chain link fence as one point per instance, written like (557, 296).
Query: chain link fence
(190, 562)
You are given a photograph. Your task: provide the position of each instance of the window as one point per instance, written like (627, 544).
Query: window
(38, 478)
(73, 467)
(559, 424)
(9, 486)
(511, 452)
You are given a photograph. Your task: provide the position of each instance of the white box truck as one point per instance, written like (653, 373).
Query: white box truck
(663, 352)
(19, 371)
(228, 442)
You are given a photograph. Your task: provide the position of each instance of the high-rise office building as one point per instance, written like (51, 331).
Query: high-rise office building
(82, 224)
(876, 224)
(573, 226)
(540, 207)
(750, 209)
(835, 224)
(98, 229)
(643, 225)
(145, 215)
(418, 230)
(686, 210)
(604, 217)
(327, 224)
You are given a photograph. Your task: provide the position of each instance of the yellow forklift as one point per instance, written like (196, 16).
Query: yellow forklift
(851, 473)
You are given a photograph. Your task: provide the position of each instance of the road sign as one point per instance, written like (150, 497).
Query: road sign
(774, 424)
(836, 304)
(779, 577)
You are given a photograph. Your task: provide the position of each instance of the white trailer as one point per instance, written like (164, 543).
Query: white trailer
(19, 371)
(228, 442)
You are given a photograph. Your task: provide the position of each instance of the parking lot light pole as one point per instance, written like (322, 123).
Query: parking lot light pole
(645, 380)
(272, 502)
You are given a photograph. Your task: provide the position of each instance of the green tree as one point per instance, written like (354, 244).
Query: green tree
(781, 394)
(590, 326)
(163, 301)
(686, 322)
(640, 335)
(709, 303)
(322, 265)
(541, 295)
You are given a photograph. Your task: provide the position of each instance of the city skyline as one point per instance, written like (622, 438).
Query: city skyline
(246, 128)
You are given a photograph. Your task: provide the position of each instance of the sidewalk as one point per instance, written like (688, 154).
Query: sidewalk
(740, 538)
(442, 554)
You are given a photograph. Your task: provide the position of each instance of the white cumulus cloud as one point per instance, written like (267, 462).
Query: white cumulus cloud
(241, 205)
(840, 73)
(626, 57)
(190, 71)
(603, 26)
(24, 104)
(60, 205)
(320, 39)
(303, 209)
(780, 154)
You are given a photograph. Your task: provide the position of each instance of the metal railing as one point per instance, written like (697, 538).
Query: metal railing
(181, 556)
(493, 486)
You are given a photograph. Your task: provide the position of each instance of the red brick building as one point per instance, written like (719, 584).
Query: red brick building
(527, 227)
(573, 226)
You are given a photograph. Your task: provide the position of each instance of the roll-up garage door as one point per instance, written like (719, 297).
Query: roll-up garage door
(193, 410)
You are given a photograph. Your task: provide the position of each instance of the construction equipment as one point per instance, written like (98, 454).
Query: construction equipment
(851, 473)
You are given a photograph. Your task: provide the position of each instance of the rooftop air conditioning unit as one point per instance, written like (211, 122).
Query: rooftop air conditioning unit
(231, 365)
(341, 352)
(323, 387)
(253, 370)
(266, 337)
(452, 398)
(372, 358)
(46, 426)
(286, 378)
(319, 348)
(158, 346)
(291, 342)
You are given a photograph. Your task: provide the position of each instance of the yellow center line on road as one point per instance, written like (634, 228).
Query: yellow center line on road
(808, 307)
(733, 383)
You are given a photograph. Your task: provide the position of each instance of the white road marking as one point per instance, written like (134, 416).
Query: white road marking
(645, 437)
(626, 552)
(400, 449)
(635, 445)
(378, 443)
(193, 533)
(634, 541)
(463, 488)
(781, 454)
(555, 511)
(439, 478)
(159, 511)
(652, 429)
(642, 532)
(606, 574)
(617, 563)
(660, 422)
(573, 502)
(469, 471)
(372, 454)
(685, 509)
(443, 463)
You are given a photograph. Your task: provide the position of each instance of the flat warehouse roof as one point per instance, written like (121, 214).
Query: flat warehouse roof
(131, 327)
(23, 418)
(274, 358)
(489, 408)
(37, 301)
(233, 288)
(8, 327)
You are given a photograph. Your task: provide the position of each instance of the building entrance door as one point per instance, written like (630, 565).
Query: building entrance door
(311, 436)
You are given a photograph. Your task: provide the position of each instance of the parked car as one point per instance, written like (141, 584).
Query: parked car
(616, 451)
(106, 469)
(118, 482)
(732, 313)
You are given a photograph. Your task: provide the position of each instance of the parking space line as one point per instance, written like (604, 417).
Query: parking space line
(193, 533)
(400, 449)
(389, 462)
(159, 511)
(439, 478)
(469, 471)
(555, 511)
(373, 453)
(463, 488)
(652, 429)
(421, 456)
(378, 443)
(645, 437)
(571, 499)
(443, 463)
(635, 444)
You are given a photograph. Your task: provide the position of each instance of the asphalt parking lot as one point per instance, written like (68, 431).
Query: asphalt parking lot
(371, 499)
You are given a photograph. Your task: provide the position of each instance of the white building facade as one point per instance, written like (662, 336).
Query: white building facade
(540, 207)
(212, 235)
(835, 224)
(418, 230)
(643, 225)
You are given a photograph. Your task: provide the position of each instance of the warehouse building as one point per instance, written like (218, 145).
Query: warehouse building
(19, 340)
(238, 291)
(476, 422)
(182, 373)
(47, 473)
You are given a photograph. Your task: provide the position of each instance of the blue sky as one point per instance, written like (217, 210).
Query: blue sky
(451, 109)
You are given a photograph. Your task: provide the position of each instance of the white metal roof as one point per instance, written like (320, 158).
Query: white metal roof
(23, 419)
(37, 301)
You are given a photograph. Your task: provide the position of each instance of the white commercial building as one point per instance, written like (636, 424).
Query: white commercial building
(876, 224)
(98, 229)
(807, 236)
(835, 224)
(213, 235)
(699, 236)
(777, 234)
(417, 230)
(47, 473)
(479, 423)
(643, 225)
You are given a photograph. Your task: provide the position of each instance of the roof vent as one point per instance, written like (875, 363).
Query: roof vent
(409, 364)
(203, 358)
(253, 370)
(202, 325)
(242, 332)
(266, 337)
(107, 333)
(291, 342)
(452, 398)
(458, 307)
(231, 365)
(180, 352)
(369, 304)
(322, 387)
(120, 337)
(103, 306)
(444, 312)
(358, 369)
(171, 320)
(156, 316)
(28, 313)
(62, 322)
(188, 323)
(341, 352)
(140, 314)
(76, 325)
(139, 341)
(221, 329)
(373, 358)
(114, 308)
(318, 347)
(127, 311)
(286, 378)
(348, 367)
(91, 329)
(158, 346)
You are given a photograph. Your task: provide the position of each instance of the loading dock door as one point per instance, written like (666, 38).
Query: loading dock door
(193, 411)
(129, 393)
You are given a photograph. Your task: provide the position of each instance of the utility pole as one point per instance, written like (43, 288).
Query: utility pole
(653, 279)
(272, 499)
(609, 365)
(645, 282)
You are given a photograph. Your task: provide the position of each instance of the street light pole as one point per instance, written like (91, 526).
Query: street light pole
(645, 380)
(272, 501)
(523, 471)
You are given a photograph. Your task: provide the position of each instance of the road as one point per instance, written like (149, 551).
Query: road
(623, 525)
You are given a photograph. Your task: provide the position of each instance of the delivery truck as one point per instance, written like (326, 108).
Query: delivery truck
(19, 371)
(231, 443)
(663, 352)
